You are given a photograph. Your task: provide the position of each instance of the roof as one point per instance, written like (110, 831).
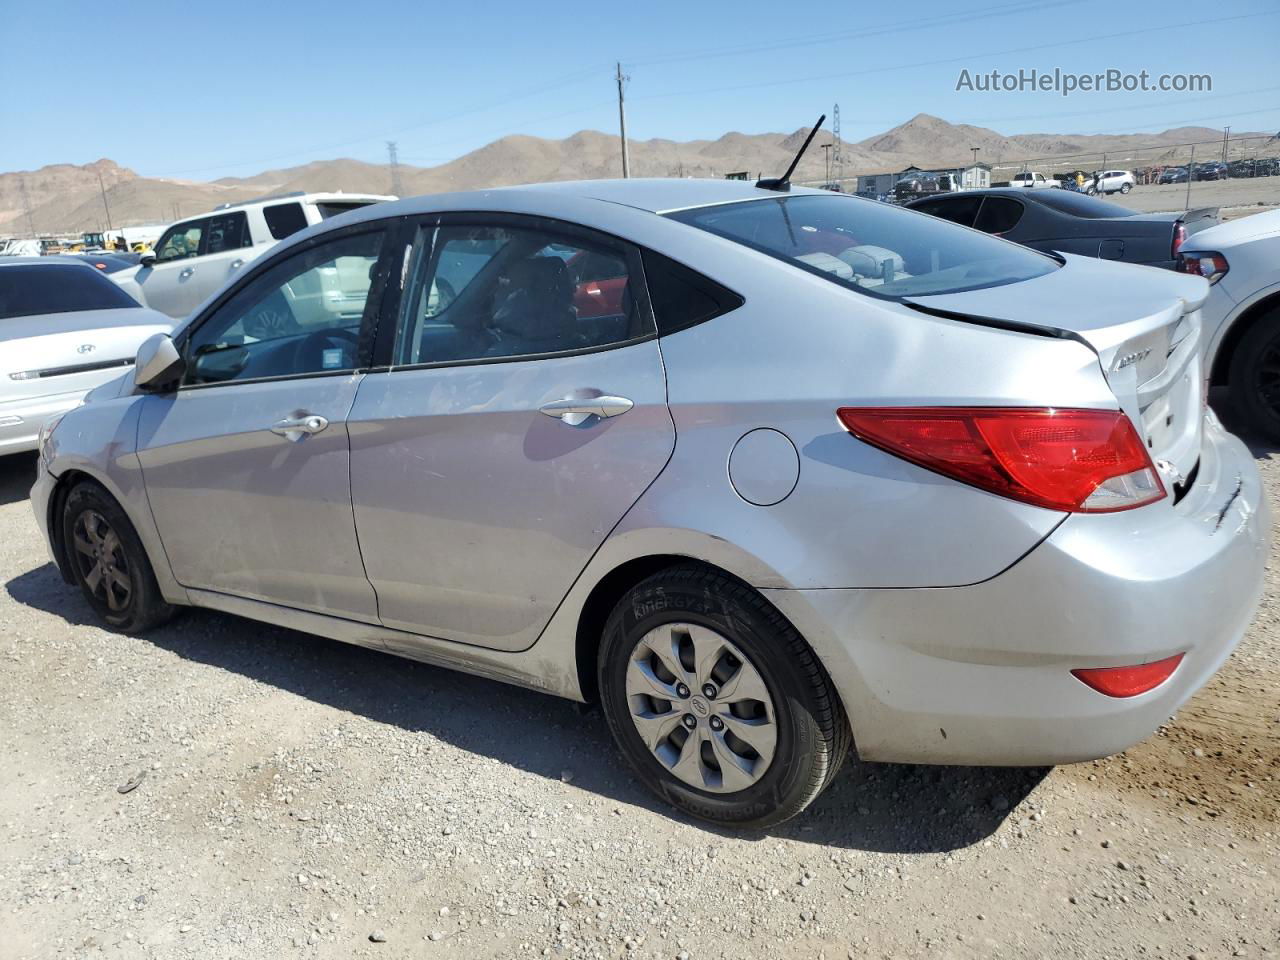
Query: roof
(660, 194)
(54, 260)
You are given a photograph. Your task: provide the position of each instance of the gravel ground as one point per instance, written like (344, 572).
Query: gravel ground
(303, 798)
(1234, 198)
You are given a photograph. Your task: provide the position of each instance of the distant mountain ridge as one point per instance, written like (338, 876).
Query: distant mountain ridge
(68, 198)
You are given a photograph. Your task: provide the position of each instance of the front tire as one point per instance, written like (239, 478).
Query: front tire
(1254, 377)
(717, 702)
(108, 561)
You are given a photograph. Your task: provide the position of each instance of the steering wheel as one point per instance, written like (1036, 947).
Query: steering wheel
(308, 355)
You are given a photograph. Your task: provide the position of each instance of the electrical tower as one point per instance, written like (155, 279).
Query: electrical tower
(837, 153)
(26, 206)
(393, 161)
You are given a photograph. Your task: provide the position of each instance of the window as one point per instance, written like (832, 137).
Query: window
(870, 247)
(495, 292)
(682, 297)
(29, 290)
(961, 210)
(230, 231)
(284, 219)
(999, 215)
(301, 315)
(180, 242)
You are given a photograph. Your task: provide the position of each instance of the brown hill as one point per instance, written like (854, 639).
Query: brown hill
(64, 197)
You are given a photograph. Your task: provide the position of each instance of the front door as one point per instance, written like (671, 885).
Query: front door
(247, 464)
(512, 432)
(170, 284)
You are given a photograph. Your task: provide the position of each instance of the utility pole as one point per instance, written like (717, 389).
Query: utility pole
(26, 206)
(826, 149)
(1191, 173)
(105, 205)
(622, 124)
(1226, 137)
(837, 152)
(393, 161)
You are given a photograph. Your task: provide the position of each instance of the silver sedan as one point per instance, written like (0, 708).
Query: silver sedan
(768, 473)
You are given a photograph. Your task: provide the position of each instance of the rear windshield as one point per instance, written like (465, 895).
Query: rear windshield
(869, 246)
(331, 208)
(1081, 205)
(39, 288)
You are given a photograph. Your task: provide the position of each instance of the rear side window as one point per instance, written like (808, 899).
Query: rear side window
(284, 219)
(961, 210)
(999, 215)
(682, 297)
(230, 231)
(870, 247)
(37, 289)
(331, 208)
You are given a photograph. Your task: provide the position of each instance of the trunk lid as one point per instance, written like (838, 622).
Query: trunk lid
(1144, 325)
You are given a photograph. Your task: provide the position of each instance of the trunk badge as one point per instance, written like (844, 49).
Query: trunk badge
(1130, 359)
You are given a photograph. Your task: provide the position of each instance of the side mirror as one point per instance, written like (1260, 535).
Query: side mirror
(158, 363)
(148, 259)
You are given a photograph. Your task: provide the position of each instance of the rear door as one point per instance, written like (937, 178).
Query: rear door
(511, 431)
(247, 464)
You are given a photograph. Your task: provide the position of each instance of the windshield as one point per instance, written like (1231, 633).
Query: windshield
(27, 291)
(871, 247)
(1080, 204)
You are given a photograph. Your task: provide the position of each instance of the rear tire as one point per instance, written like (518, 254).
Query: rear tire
(1254, 377)
(108, 561)
(690, 646)
(1125, 187)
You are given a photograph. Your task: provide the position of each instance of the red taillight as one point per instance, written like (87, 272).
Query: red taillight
(1082, 461)
(1212, 266)
(1179, 237)
(1129, 681)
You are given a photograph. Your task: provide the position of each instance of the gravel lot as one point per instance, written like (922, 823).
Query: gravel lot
(1234, 198)
(302, 798)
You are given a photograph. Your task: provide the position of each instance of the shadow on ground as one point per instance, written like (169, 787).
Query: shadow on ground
(17, 474)
(878, 807)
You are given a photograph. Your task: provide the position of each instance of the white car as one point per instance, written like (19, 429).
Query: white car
(1112, 181)
(1241, 317)
(64, 329)
(1033, 181)
(195, 257)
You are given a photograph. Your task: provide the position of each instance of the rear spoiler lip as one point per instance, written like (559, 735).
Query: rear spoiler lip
(1000, 323)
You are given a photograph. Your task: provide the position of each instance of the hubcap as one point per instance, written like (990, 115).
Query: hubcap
(722, 742)
(101, 561)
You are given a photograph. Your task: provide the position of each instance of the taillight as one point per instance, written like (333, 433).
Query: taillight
(1081, 461)
(1179, 237)
(1129, 681)
(1212, 266)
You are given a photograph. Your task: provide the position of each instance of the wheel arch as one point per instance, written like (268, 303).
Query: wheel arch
(1236, 331)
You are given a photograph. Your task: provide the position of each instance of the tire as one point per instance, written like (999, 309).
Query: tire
(1254, 390)
(1126, 187)
(108, 561)
(745, 647)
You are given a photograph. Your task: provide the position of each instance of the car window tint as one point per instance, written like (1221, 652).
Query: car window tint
(284, 219)
(870, 247)
(494, 292)
(961, 210)
(230, 231)
(180, 242)
(27, 291)
(682, 297)
(998, 215)
(301, 315)
(1080, 204)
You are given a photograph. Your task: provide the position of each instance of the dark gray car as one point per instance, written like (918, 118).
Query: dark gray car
(1063, 221)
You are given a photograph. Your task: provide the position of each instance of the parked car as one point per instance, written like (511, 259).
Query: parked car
(1174, 175)
(1211, 171)
(1241, 259)
(918, 184)
(727, 511)
(1111, 181)
(1037, 181)
(64, 329)
(195, 257)
(1064, 221)
(107, 262)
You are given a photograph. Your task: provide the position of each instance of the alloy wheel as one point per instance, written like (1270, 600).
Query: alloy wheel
(101, 561)
(701, 708)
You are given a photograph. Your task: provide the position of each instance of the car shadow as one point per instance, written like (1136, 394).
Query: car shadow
(875, 807)
(17, 474)
(1258, 445)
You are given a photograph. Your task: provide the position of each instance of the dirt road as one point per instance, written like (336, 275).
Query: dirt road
(298, 798)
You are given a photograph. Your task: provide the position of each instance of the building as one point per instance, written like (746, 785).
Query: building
(975, 176)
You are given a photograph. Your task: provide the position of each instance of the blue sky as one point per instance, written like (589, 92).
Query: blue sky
(200, 91)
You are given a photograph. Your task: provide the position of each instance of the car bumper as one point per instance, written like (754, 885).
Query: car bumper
(20, 420)
(981, 674)
(41, 494)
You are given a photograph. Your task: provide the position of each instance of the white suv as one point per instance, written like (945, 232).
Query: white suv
(1112, 181)
(195, 257)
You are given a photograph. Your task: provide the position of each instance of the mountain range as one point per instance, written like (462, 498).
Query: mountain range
(70, 198)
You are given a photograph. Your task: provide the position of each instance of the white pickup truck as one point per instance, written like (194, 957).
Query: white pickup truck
(1032, 181)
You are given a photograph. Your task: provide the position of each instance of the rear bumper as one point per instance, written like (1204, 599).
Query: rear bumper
(981, 674)
(20, 420)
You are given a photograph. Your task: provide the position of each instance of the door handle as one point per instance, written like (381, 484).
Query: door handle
(186, 273)
(575, 410)
(296, 428)
(237, 264)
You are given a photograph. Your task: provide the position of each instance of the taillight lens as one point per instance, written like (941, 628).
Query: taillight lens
(1212, 266)
(1129, 681)
(1179, 237)
(1081, 461)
